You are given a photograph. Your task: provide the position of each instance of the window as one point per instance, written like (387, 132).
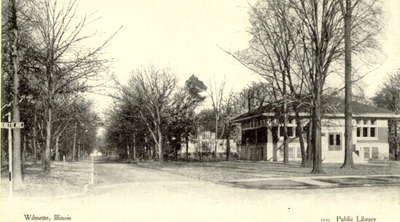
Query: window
(338, 142)
(335, 142)
(365, 131)
(281, 134)
(290, 131)
(366, 153)
(331, 140)
(372, 132)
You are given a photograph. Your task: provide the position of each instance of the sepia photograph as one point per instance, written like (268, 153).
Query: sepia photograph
(200, 110)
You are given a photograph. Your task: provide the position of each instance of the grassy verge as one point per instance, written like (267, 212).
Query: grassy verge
(65, 178)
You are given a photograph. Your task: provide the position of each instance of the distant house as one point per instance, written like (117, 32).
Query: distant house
(204, 144)
(370, 133)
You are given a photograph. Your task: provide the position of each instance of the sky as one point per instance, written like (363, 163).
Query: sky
(187, 36)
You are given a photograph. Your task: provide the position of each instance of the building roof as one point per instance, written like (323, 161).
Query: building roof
(337, 106)
(332, 107)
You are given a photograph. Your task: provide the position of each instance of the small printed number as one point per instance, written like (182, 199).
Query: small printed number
(325, 220)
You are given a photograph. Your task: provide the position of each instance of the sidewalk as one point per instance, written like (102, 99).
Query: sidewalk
(316, 182)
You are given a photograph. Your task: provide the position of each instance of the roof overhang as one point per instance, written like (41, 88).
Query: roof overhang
(326, 115)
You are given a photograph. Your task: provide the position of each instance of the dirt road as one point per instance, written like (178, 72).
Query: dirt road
(126, 192)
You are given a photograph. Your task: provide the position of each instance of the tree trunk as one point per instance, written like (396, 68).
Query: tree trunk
(24, 151)
(201, 149)
(187, 147)
(34, 145)
(256, 143)
(34, 137)
(396, 151)
(275, 140)
(57, 156)
(160, 145)
(309, 151)
(285, 120)
(216, 137)
(17, 161)
(299, 132)
(47, 151)
(228, 146)
(74, 143)
(285, 145)
(146, 149)
(348, 133)
(79, 150)
(134, 146)
(127, 152)
(316, 132)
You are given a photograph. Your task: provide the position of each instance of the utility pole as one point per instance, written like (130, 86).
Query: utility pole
(17, 163)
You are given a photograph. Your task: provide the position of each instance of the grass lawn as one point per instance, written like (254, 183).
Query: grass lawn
(234, 170)
(63, 179)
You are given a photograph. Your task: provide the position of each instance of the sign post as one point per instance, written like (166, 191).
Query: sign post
(10, 157)
(10, 125)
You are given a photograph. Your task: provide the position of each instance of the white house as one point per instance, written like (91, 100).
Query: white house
(205, 143)
(370, 134)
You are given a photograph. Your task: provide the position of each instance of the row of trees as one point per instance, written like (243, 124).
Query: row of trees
(152, 113)
(48, 64)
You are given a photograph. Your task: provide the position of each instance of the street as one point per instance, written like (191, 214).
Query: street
(127, 192)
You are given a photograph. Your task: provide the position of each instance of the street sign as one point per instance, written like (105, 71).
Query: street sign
(12, 125)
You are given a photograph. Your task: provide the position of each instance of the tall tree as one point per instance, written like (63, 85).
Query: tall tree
(150, 90)
(228, 112)
(182, 112)
(348, 130)
(272, 54)
(66, 64)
